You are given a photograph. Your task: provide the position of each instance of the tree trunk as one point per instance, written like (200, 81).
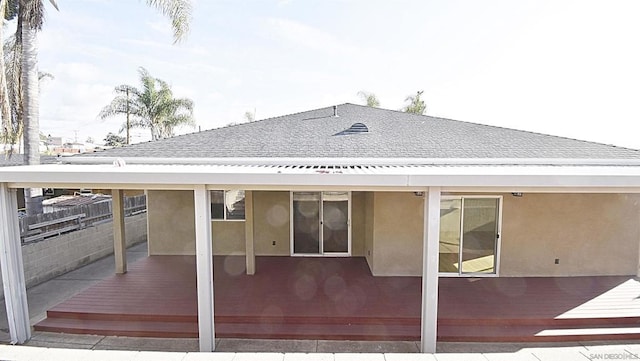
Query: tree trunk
(31, 108)
(5, 107)
(156, 133)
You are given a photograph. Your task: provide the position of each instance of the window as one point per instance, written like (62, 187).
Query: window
(227, 205)
(469, 234)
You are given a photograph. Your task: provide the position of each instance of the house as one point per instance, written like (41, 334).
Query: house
(414, 195)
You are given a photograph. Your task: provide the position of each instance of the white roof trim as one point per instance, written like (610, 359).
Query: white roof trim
(288, 177)
(352, 161)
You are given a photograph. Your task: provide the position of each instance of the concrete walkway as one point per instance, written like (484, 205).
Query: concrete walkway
(54, 346)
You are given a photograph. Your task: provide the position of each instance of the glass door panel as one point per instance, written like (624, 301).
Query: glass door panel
(450, 217)
(480, 235)
(335, 222)
(306, 223)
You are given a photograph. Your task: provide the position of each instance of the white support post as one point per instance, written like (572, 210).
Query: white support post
(204, 268)
(430, 270)
(15, 290)
(119, 236)
(250, 254)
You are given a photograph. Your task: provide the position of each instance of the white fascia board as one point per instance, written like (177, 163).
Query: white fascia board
(552, 176)
(287, 161)
(187, 176)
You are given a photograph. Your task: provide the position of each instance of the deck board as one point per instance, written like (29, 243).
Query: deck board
(338, 298)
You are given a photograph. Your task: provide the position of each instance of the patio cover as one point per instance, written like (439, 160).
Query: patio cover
(431, 176)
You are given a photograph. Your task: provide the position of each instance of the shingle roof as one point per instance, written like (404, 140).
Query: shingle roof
(391, 134)
(18, 159)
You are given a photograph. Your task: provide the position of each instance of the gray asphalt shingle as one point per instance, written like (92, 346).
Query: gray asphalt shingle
(18, 159)
(392, 134)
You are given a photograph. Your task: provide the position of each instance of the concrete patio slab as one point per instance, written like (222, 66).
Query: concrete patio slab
(515, 356)
(460, 356)
(359, 357)
(146, 344)
(259, 357)
(409, 357)
(64, 354)
(367, 346)
(66, 338)
(308, 357)
(209, 356)
(113, 355)
(159, 356)
(560, 354)
(243, 345)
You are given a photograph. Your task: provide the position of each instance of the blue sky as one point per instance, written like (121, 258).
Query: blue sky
(569, 68)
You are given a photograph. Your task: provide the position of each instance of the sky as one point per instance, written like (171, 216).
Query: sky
(561, 67)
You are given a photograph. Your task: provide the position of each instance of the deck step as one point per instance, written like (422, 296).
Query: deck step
(260, 319)
(547, 322)
(369, 332)
(488, 330)
(536, 333)
(120, 328)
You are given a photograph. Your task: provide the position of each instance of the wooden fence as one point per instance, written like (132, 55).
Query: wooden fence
(41, 226)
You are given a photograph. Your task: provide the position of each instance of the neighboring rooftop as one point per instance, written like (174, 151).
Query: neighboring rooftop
(18, 159)
(364, 132)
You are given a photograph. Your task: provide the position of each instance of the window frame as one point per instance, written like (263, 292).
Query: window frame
(225, 211)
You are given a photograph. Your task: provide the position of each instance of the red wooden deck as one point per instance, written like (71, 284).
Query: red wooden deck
(337, 298)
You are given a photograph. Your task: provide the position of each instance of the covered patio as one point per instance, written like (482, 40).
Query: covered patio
(425, 308)
(339, 299)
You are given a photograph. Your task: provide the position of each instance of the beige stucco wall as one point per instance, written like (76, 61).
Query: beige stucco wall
(358, 224)
(590, 234)
(397, 234)
(228, 237)
(171, 223)
(369, 202)
(271, 223)
(171, 226)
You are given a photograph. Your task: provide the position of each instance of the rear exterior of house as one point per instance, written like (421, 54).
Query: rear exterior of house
(483, 233)
(414, 195)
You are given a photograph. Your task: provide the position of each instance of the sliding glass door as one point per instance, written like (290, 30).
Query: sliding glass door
(320, 223)
(469, 234)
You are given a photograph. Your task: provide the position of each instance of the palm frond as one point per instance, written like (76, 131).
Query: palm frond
(178, 11)
(44, 75)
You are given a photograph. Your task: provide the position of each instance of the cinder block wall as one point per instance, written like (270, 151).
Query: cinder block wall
(54, 256)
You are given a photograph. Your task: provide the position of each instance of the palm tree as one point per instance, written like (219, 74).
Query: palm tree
(30, 14)
(5, 107)
(152, 106)
(369, 98)
(10, 92)
(12, 130)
